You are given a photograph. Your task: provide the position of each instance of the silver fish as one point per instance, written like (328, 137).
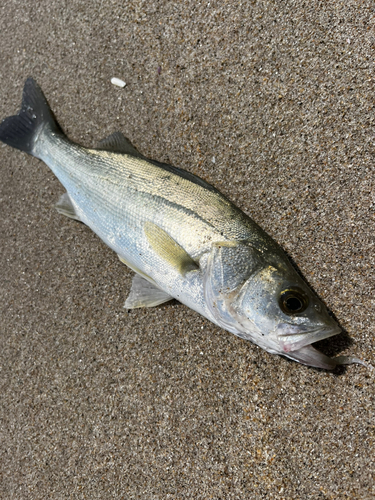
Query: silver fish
(180, 235)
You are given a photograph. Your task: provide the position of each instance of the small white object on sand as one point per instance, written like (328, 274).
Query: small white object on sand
(118, 82)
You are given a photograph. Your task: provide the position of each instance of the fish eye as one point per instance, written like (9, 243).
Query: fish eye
(293, 301)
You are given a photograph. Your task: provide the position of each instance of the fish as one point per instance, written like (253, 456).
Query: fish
(182, 237)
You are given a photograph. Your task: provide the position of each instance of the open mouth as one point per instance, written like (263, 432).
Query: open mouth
(296, 341)
(296, 344)
(293, 337)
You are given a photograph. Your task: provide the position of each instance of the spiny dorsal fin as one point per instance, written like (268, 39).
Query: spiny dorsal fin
(118, 143)
(168, 249)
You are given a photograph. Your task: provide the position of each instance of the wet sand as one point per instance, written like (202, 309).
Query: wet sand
(274, 105)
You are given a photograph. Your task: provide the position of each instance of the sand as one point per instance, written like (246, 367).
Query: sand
(272, 103)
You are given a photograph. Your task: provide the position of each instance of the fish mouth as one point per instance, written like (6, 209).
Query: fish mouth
(295, 342)
(293, 337)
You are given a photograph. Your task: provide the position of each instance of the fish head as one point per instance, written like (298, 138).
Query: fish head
(281, 311)
(268, 303)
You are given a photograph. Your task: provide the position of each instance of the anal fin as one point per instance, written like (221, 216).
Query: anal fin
(65, 207)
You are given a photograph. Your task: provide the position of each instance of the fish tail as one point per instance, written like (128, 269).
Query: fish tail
(23, 130)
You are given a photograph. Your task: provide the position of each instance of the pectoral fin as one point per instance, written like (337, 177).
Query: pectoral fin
(65, 207)
(168, 249)
(145, 294)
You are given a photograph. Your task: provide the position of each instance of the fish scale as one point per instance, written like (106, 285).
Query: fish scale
(135, 191)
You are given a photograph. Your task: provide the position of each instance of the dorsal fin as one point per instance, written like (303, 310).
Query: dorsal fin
(118, 143)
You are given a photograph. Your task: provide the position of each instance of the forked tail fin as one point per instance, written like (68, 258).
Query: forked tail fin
(22, 131)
